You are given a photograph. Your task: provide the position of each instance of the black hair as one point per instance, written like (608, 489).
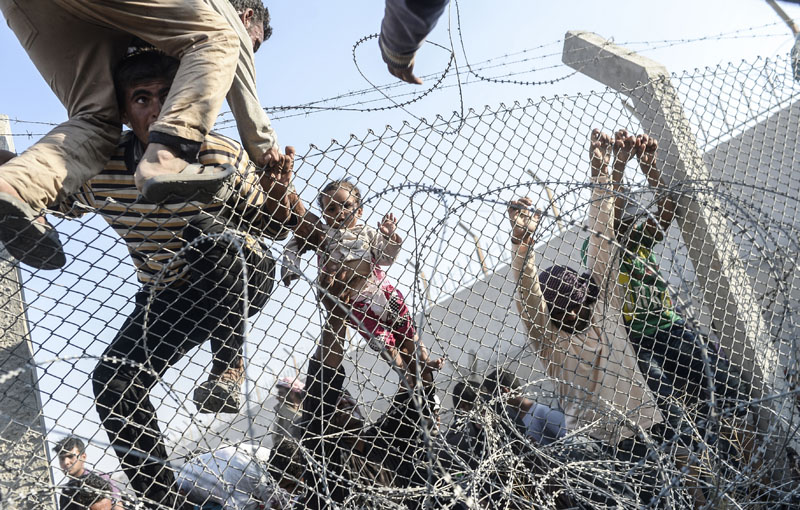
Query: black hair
(86, 491)
(260, 13)
(332, 186)
(141, 65)
(286, 459)
(464, 392)
(67, 444)
(499, 379)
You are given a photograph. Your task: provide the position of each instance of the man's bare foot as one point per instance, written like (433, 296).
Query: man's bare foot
(157, 160)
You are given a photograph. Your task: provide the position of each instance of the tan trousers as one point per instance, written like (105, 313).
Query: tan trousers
(75, 44)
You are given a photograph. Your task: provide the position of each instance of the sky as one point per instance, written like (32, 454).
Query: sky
(310, 58)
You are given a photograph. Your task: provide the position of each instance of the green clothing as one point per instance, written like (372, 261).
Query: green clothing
(648, 307)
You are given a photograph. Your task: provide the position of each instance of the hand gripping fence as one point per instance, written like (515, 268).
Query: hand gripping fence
(598, 354)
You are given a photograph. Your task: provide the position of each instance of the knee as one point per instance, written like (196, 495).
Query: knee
(109, 383)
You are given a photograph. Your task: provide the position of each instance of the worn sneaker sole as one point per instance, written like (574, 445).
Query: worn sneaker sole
(27, 240)
(195, 182)
(217, 397)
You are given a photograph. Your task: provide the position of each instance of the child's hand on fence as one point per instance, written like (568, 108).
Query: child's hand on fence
(388, 227)
(646, 147)
(599, 152)
(523, 222)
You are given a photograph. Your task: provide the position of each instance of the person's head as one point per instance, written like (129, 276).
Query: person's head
(570, 297)
(90, 492)
(498, 383)
(465, 393)
(142, 81)
(341, 204)
(287, 465)
(255, 17)
(71, 452)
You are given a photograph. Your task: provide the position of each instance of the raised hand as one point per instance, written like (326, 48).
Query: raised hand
(599, 152)
(646, 147)
(523, 222)
(388, 227)
(624, 147)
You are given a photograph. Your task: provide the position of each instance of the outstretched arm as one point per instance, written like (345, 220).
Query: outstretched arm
(331, 349)
(600, 219)
(406, 24)
(624, 150)
(530, 302)
(386, 247)
(646, 152)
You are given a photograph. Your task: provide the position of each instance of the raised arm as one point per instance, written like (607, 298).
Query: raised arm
(624, 150)
(530, 301)
(406, 24)
(386, 245)
(646, 152)
(600, 219)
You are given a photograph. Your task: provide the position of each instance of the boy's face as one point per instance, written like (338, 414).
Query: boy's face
(142, 106)
(341, 209)
(72, 462)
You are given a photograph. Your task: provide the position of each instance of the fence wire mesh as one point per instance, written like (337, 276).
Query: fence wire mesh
(667, 378)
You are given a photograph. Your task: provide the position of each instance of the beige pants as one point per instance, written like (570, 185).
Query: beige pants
(75, 44)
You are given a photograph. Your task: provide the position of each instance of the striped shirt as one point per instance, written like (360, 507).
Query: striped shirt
(153, 232)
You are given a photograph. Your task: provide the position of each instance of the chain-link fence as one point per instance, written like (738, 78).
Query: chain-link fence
(609, 356)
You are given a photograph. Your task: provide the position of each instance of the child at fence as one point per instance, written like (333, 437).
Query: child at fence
(350, 258)
(188, 295)
(669, 351)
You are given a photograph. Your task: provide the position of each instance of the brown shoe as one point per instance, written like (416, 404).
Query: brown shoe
(220, 393)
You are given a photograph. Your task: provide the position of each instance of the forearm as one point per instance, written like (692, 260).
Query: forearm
(601, 228)
(331, 349)
(255, 130)
(529, 298)
(617, 174)
(404, 28)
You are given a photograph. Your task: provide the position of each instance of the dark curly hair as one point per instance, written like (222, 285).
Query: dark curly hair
(260, 13)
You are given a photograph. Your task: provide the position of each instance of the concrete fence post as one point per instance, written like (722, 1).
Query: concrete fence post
(25, 477)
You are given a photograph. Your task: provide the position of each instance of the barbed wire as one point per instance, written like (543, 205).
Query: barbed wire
(719, 447)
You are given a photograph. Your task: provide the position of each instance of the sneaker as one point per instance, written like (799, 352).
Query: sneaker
(220, 393)
(32, 243)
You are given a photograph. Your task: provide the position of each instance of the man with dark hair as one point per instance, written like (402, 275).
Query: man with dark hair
(71, 453)
(464, 395)
(191, 291)
(70, 40)
(255, 17)
(90, 492)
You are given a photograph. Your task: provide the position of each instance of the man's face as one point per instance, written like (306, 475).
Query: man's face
(254, 28)
(142, 106)
(72, 462)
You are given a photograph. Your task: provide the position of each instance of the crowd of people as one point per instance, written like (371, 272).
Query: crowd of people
(200, 212)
